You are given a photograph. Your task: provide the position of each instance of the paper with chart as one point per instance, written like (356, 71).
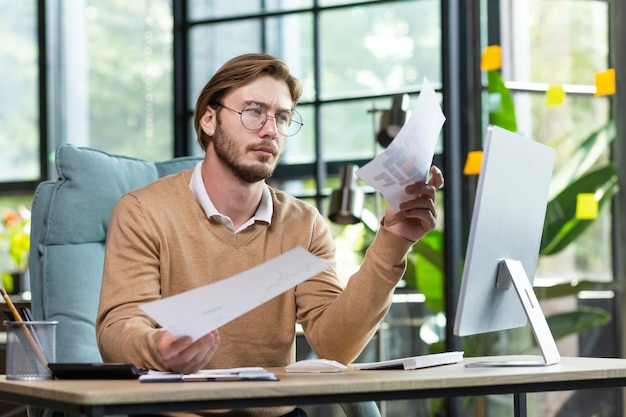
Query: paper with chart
(408, 158)
(197, 312)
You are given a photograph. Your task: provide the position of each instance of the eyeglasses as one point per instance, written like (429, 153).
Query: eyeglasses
(253, 117)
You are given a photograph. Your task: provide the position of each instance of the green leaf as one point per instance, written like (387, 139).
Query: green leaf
(428, 278)
(430, 248)
(7, 282)
(566, 289)
(584, 157)
(561, 226)
(576, 321)
(503, 113)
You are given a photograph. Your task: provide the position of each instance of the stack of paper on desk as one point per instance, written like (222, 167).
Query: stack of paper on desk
(415, 362)
(231, 374)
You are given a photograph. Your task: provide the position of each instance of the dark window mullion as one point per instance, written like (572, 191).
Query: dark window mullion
(320, 166)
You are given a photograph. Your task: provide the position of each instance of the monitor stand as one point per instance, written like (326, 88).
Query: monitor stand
(513, 271)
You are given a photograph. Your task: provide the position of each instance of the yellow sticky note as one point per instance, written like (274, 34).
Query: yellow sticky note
(473, 162)
(605, 82)
(492, 58)
(555, 95)
(586, 206)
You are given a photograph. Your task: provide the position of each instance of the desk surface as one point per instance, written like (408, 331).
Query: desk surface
(96, 398)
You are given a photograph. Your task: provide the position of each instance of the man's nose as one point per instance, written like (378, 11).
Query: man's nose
(272, 126)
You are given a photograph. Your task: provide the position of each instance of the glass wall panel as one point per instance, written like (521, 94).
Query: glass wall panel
(557, 41)
(129, 75)
(566, 128)
(288, 37)
(562, 43)
(19, 72)
(380, 48)
(348, 131)
(215, 9)
(210, 46)
(341, 2)
(302, 187)
(300, 148)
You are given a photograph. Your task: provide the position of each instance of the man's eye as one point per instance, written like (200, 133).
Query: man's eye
(255, 111)
(284, 117)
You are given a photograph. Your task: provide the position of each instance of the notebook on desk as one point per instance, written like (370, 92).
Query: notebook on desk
(414, 362)
(231, 374)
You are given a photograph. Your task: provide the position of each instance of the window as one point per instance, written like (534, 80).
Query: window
(559, 45)
(112, 68)
(19, 83)
(562, 43)
(349, 75)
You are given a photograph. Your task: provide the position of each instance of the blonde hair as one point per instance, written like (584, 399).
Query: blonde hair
(236, 73)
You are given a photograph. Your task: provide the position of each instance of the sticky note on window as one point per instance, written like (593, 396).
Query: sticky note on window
(555, 95)
(492, 58)
(473, 162)
(586, 206)
(605, 82)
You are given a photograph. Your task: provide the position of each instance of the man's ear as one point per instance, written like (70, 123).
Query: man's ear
(208, 121)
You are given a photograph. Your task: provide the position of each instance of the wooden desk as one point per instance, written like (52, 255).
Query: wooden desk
(97, 398)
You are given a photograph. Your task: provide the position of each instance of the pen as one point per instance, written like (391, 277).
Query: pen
(18, 318)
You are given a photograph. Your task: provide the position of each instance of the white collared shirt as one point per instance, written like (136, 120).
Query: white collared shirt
(263, 212)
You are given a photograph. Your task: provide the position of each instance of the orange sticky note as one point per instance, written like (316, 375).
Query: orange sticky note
(473, 162)
(492, 58)
(605, 82)
(555, 95)
(586, 206)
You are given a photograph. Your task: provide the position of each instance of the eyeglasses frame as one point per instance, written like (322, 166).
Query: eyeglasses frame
(240, 113)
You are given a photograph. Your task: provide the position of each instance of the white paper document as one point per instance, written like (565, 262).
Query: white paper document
(197, 312)
(408, 158)
(231, 374)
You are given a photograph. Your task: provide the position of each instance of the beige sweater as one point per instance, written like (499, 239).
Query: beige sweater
(160, 243)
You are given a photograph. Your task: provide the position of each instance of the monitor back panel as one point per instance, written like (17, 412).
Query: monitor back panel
(507, 223)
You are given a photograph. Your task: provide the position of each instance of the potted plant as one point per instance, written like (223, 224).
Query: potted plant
(15, 234)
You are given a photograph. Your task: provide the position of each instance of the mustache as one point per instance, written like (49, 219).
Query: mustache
(266, 146)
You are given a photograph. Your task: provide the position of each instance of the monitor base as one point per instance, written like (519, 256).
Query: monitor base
(507, 364)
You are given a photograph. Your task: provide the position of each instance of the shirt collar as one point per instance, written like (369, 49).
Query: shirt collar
(263, 212)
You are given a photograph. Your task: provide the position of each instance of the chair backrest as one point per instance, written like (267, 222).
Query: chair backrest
(70, 217)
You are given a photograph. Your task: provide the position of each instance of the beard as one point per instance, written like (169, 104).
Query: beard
(227, 150)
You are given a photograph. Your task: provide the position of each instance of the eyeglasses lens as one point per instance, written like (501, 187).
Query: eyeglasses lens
(253, 117)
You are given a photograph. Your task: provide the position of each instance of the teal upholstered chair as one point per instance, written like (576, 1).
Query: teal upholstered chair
(69, 227)
(70, 217)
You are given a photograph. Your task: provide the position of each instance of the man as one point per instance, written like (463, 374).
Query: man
(219, 219)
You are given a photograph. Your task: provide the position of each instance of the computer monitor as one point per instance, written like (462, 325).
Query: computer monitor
(503, 246)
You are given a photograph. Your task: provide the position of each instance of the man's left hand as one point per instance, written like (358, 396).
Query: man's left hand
(416, 216)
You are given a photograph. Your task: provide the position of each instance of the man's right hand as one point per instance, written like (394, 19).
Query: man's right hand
(184, 356)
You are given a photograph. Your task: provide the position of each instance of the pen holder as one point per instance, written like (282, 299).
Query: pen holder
(30, 347)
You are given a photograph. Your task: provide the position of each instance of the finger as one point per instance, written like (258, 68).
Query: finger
(170, 347)
(436, 178)
(422, 191)
(203, 350)
(419, 208)
(210, 351)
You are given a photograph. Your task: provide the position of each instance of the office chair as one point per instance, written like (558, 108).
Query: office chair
(70, 218)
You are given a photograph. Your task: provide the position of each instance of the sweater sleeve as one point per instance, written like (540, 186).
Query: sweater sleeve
(340, 326)
(124, 332)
